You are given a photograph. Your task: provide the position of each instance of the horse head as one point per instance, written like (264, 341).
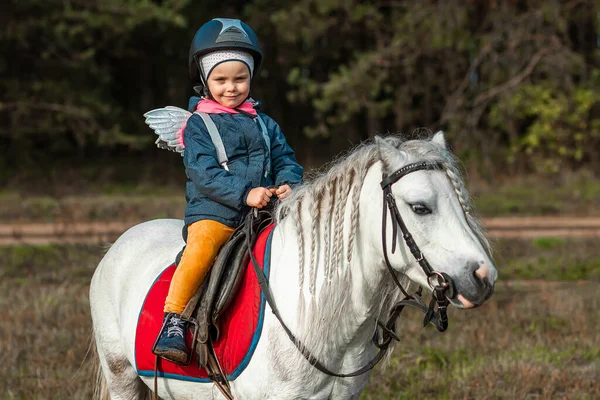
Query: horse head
(435, 208)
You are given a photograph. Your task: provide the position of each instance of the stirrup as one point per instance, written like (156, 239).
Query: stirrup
(190, 355)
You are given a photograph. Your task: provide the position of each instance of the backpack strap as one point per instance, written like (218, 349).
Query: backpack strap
(265, 134)
(216, 139)
(220, 147)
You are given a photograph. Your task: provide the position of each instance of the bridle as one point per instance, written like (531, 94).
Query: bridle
(442, 289)
(444, 282)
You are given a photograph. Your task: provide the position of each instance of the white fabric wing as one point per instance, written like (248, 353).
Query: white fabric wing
(168, 124)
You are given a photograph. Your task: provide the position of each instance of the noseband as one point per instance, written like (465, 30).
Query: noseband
(442, 289)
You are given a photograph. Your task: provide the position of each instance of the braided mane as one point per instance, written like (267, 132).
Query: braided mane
(325, 215)
(328, 193)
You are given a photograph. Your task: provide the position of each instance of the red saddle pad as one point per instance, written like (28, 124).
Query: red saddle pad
(241, 323)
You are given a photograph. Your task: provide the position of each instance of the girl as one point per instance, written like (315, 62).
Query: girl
(224, 57)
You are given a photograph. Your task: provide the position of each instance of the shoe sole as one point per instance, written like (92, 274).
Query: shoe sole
(174, 356)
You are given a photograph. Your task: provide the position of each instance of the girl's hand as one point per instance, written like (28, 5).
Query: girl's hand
(283, 191)
(258, 197)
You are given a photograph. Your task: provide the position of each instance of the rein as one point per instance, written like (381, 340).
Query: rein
(264, 286)
(382, 341)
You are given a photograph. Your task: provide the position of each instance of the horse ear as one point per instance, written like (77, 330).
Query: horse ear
(389, 154)
(380, 141)
(439, 139)
(382, 145)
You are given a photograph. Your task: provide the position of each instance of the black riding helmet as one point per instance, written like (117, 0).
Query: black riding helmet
(222, 34)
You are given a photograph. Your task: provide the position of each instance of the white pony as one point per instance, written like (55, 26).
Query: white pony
(328, 275)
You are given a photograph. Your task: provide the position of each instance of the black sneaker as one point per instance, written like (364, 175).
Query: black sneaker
(171, 342)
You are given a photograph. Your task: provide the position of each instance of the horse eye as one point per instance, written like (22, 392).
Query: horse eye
(420, 209)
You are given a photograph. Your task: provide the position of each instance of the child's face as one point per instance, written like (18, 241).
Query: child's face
(229, 83)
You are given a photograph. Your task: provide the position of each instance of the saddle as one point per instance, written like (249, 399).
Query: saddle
(215, 295)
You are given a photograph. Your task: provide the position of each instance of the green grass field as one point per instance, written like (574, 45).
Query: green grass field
(537, 338)
(567, 194)
(572, 194)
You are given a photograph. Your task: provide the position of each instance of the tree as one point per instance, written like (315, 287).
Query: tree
(395, 66)
(514, 83)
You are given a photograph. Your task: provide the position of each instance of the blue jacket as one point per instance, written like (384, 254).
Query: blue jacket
(216, 194)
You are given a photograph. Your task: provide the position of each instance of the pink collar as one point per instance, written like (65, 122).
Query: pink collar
(212, 107)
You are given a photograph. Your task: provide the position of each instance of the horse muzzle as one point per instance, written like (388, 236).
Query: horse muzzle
(474, 288)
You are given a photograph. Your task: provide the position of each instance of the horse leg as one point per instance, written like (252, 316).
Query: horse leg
(122, 380)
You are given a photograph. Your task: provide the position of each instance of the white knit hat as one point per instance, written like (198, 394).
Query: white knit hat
(209, 61)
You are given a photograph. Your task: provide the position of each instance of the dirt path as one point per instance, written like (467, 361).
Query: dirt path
(103, 232)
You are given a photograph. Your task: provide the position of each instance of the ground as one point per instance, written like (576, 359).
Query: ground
(536, 338)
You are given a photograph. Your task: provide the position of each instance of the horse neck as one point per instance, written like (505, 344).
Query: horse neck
(336, 309)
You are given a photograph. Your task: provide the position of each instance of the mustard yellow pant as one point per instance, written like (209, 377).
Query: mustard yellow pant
(205, 238)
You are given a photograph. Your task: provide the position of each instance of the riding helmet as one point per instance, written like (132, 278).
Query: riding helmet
(223, 34)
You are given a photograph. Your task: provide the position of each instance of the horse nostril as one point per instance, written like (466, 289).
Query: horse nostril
(482, 281)
(482, 271)
(480, 277)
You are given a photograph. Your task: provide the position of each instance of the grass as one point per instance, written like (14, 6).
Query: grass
(49, 264)
(551, 259)
(15, 207)
(569, 194)
(529, 341)
(532, 340)
(45, 326)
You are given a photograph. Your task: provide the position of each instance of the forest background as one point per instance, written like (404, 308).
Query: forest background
(515, 84)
